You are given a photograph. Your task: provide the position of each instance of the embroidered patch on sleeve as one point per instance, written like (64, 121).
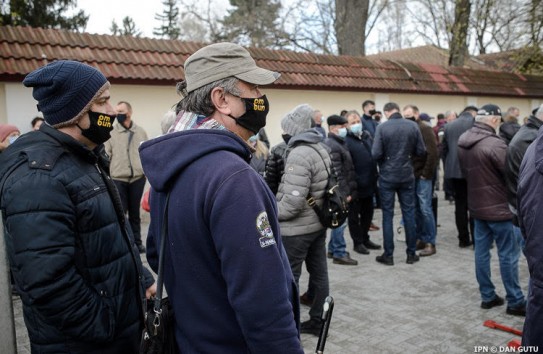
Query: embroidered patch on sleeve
(264, 229)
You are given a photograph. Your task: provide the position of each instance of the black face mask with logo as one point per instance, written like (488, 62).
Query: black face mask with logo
(101, 125)
(256, 110)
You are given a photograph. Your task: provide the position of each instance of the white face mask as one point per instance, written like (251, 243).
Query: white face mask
(12, 139)
(342, 132)
(356, 128)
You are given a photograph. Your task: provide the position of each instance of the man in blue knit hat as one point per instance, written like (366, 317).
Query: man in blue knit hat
(73, 260)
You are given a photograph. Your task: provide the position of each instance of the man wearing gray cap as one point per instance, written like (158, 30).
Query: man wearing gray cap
(225, 268)
(482, 155)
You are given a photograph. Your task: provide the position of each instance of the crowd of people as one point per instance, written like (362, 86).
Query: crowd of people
(241, 221)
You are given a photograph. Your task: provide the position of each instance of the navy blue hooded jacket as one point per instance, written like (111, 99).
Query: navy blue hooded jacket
(530, 216)
(225, 271)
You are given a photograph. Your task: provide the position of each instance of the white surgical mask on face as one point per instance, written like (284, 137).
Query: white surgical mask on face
(342, 132)
(356, 128)
(12, 139)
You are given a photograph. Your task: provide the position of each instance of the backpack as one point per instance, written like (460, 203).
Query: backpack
(334, 210)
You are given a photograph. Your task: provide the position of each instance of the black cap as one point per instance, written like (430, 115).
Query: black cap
(489, 110)
(471, 108)
(336, 120)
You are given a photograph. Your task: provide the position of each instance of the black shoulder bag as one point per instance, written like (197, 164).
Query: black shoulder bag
(158, 335)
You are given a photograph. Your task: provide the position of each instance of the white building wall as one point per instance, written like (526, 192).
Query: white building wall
(150, 103)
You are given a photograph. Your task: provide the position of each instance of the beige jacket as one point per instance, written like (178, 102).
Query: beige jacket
(123, 152)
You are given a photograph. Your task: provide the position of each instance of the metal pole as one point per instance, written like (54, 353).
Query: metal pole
(8, 342)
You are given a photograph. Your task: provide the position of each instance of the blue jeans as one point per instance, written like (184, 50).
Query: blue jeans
(406, 196)
(426, 224)
(337, 244)
(508, 253)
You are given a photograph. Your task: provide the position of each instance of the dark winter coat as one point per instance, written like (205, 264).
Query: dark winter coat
(515, 153)
(364, 166)
(452, 133)
(275, 166)
(369, 124)
(482, 156)
(226, 272)
(73, 261)
(508, 131)
(425, 166)
(396, 141)
(530, 215)
(342, 163)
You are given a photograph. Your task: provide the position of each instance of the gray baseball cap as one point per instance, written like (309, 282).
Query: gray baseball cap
(221, 60)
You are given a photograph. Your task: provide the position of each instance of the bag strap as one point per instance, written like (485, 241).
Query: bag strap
(310, 200)
(163, 240)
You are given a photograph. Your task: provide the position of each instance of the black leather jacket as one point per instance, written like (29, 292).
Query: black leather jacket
(515, 153)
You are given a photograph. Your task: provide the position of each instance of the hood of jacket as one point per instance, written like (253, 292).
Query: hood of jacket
(309, 136)
(478, 132)
(165, 157)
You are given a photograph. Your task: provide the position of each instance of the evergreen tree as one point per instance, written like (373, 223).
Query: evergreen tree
(42, 13)
(253, 23)
(129, 28)
(169, 20)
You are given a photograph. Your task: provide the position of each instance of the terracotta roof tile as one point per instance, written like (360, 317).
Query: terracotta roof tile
(156, 61)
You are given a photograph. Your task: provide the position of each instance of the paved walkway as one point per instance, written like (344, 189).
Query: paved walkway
(432, 306)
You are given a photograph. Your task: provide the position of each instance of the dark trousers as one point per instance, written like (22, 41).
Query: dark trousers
(310, 248)
(464, 223)
(360, 216)
(131, 194)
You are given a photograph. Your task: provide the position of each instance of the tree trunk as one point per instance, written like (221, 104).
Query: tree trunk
(350, 26)
(459, 46)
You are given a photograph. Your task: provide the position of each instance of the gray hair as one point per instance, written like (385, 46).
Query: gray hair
(539, 113)
(167, 121)
(199, 100)
(483, 118)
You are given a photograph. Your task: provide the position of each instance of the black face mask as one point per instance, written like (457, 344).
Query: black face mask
(256, 110)
(101, 125)
(121, 117)
(372, 112)
(286, 138)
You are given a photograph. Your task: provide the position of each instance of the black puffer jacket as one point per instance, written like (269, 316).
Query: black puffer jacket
(482, 160)
(71, 256)
(342, 163)
(515, 152)
(275, 166)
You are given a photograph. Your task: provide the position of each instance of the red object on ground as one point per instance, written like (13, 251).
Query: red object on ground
(514, 343)
(495, 325)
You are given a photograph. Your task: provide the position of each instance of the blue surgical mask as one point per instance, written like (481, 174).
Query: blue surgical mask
(12, 139)
(253, 138)
(342, 132)
(356, 128)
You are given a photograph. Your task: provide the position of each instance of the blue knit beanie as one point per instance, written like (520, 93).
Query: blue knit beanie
(65, 90)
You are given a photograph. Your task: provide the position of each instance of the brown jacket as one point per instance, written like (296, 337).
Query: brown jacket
(482, 156)
(426, 165)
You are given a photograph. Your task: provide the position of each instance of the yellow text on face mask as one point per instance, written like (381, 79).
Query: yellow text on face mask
(104, 121)
(258, 105)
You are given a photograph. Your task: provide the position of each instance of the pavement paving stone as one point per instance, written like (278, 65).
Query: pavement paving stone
(432, 306)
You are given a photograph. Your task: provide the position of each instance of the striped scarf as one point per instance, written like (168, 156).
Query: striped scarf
(188, 121)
